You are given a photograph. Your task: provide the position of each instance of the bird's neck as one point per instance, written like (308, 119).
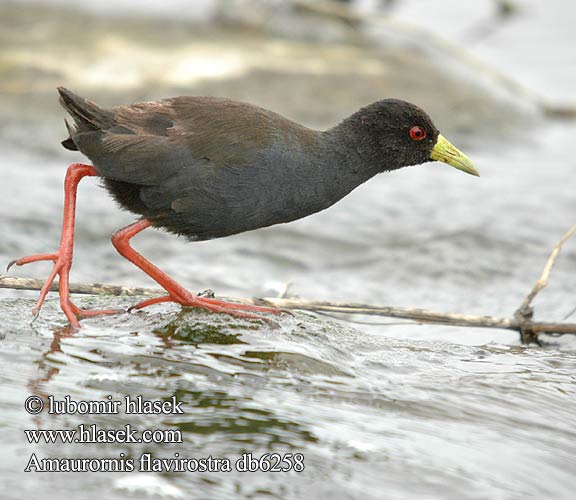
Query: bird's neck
(352, 152)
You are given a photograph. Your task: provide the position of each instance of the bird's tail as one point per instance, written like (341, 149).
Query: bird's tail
(87, 116)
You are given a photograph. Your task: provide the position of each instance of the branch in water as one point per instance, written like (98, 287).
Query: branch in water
(522, 321)
(414, 314)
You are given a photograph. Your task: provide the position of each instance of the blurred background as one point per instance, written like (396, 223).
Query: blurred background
(379, 410)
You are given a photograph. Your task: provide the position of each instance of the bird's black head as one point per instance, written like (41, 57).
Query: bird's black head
(392, 134)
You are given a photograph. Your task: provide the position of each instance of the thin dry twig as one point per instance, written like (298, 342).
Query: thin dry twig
(543, 280)
(82, 288)
(525, 312)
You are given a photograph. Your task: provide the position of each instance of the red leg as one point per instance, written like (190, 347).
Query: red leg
(121, 241)
(62, 258)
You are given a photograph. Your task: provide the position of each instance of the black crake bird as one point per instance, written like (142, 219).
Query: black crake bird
(206, 167)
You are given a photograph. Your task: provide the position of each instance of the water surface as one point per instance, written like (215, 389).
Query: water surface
(378, 410)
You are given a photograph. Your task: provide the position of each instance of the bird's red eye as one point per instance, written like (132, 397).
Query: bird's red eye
(417, 133)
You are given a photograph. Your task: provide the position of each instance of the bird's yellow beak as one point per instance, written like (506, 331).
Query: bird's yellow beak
(444, 151)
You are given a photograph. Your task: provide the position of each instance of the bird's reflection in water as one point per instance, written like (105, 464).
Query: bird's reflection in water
(221, 369)
(47, 371)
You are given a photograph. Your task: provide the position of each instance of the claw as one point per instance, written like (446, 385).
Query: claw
(10, 264)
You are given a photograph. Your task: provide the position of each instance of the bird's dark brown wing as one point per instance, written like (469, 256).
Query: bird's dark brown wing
(149, 142)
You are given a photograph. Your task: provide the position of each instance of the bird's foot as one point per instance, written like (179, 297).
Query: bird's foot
(225, 306)
(61, 268)
(60, 265)
(212, 305)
